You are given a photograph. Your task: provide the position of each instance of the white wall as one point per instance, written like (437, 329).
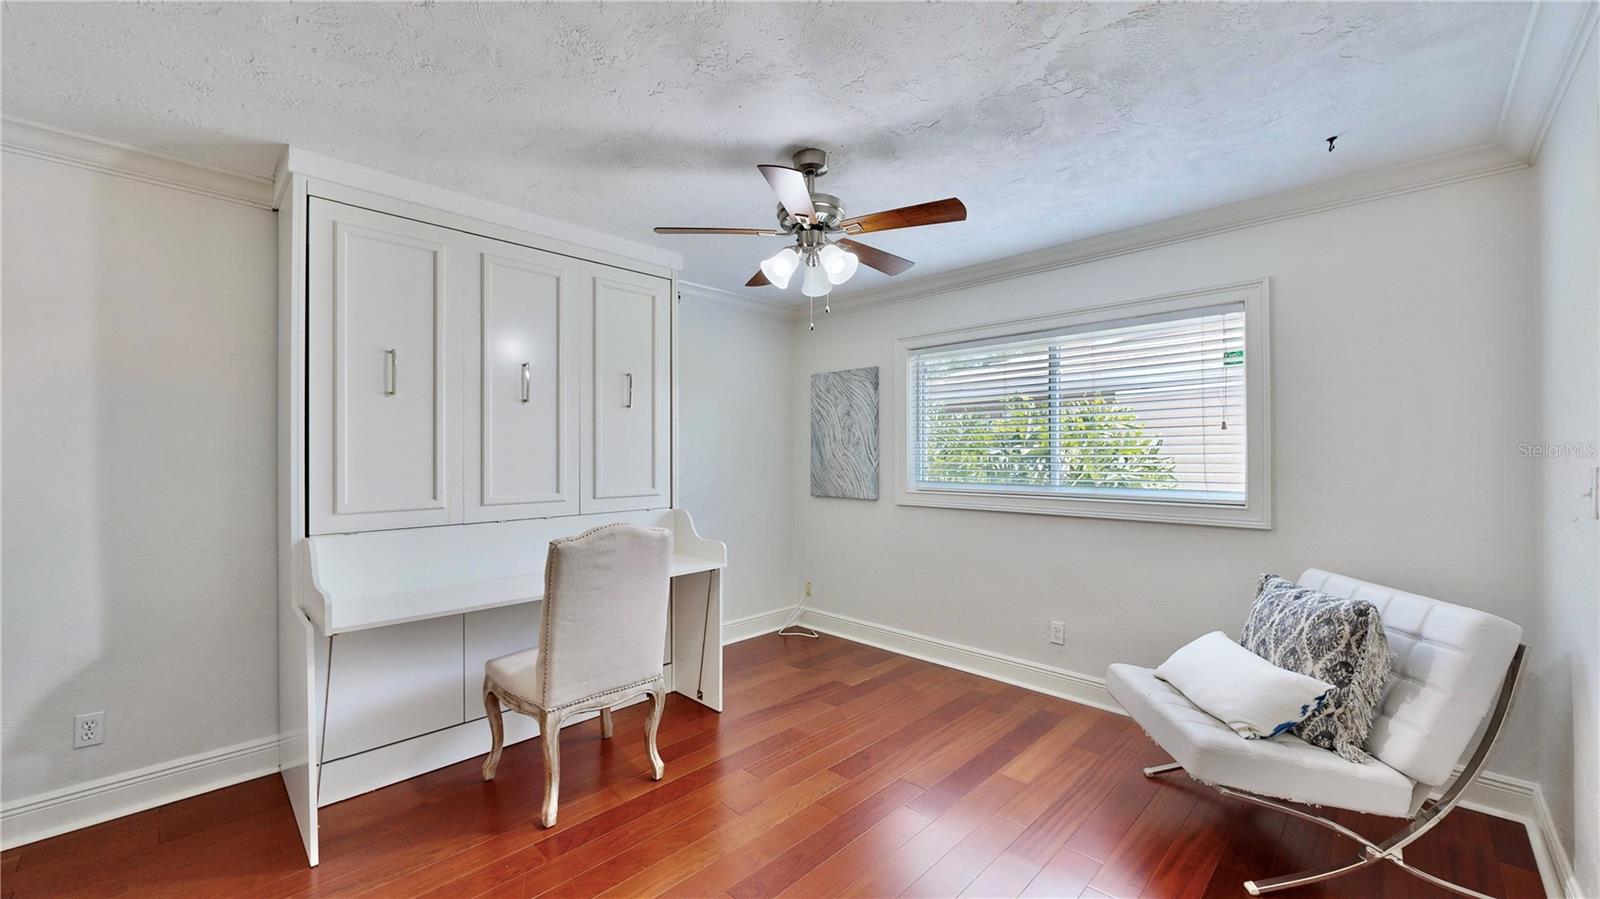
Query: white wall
(1566, 675)
(139, 571)
(735, 440)
(1404, 378)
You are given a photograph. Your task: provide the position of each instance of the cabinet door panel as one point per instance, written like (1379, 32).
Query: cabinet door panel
(379, 378)
(526, 460)
(393, 683)
(490, 634)
(629, 392)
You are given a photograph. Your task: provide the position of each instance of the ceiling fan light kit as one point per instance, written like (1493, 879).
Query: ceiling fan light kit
(780, 266)
(816, 221)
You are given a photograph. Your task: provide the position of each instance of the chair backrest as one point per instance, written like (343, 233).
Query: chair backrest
(1450, 663)
(605, 612)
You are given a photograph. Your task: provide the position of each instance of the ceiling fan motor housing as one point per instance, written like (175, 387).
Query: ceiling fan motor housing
(830, 212)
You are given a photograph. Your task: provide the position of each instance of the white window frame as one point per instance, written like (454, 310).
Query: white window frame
(1257, 509)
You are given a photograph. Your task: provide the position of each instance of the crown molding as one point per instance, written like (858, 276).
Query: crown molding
(300, 161)
(706, 295)
(110, 158)
(1552, 46)
(1482, 161)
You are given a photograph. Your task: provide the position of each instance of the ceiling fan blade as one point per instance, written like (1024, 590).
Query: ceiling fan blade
(888, 263)
(752, 232)
(790, 186)
(935, 213)
(760, 280)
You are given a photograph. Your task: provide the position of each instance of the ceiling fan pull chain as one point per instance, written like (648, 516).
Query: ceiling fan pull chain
(812, 312)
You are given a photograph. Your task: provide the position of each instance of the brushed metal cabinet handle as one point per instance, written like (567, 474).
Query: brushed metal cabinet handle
(527, 380)
(391, 372)
(627, 390)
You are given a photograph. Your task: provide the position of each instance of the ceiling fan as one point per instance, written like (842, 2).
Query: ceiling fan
(816, 220)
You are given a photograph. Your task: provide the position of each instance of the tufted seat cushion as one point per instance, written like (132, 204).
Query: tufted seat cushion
(517, 673)
(1284, 766)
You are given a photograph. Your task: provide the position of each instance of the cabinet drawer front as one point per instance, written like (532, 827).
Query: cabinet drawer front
(529, 383)
(630, 397)
(393, 683)
(379, 370)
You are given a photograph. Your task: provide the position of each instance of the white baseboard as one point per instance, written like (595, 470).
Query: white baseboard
(755, 625)
(59, 811)
(1080, 688)
(1494, 794)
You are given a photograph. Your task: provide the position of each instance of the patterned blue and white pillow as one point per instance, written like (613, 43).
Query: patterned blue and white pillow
(1340, 641)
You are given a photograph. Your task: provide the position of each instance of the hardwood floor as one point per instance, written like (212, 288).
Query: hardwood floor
(837, 770)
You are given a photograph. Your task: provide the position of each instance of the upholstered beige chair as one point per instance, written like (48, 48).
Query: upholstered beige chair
(601, 644)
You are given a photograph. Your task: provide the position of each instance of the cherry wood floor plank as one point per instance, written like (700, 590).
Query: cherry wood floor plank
(1511, 843)
(678, 865)
(835, 769)
(749, 856)
(902, 868)
(789, 866)
(910, 734)
(1007, 875)
(959, 867)
(1520, 882)
(1069, 808)
(1065, 874)
(1038, 760)
(1129, 866)
(830, 877)
(1186, 867)
(1111, 820)
(990, 759)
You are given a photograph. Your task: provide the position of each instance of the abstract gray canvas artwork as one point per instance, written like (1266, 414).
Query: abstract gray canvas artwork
(844, 434)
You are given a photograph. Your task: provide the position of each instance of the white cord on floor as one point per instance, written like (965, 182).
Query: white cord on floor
(792, 628)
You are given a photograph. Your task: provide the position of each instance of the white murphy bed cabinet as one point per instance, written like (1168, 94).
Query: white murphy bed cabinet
(457, 388)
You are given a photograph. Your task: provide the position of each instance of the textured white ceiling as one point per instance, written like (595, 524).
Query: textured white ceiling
(1052, 122)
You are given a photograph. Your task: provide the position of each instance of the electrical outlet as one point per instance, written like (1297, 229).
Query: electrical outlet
(1058, 633)
(88, 729)
(808, 588)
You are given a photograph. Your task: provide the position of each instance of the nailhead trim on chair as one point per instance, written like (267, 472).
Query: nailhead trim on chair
(544, 614)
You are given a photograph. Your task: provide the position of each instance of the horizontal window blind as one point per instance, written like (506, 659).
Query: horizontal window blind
(1149, 408)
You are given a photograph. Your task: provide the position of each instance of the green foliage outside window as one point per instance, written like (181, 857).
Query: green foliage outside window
(1101, 444)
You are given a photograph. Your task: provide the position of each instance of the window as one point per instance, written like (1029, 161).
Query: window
(1152, 410)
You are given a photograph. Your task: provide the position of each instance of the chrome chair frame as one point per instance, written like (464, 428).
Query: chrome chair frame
(1391, 849)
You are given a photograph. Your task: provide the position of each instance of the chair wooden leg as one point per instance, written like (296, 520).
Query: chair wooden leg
(550, 734)
(658, 699)
(497, 734)
(605, 724)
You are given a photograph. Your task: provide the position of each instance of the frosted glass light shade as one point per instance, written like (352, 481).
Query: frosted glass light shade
(840, 265)
(816, 282)
(780, 266)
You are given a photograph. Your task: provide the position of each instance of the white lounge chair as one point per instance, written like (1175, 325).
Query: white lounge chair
(1455, 667)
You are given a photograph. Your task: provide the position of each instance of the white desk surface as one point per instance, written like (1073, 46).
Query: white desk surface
(378, 579)
(358, 613)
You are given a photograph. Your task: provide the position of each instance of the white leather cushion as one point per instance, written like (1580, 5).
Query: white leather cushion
(1254, 697)
(1286, 767)
(517, 673)
(1449, 663)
